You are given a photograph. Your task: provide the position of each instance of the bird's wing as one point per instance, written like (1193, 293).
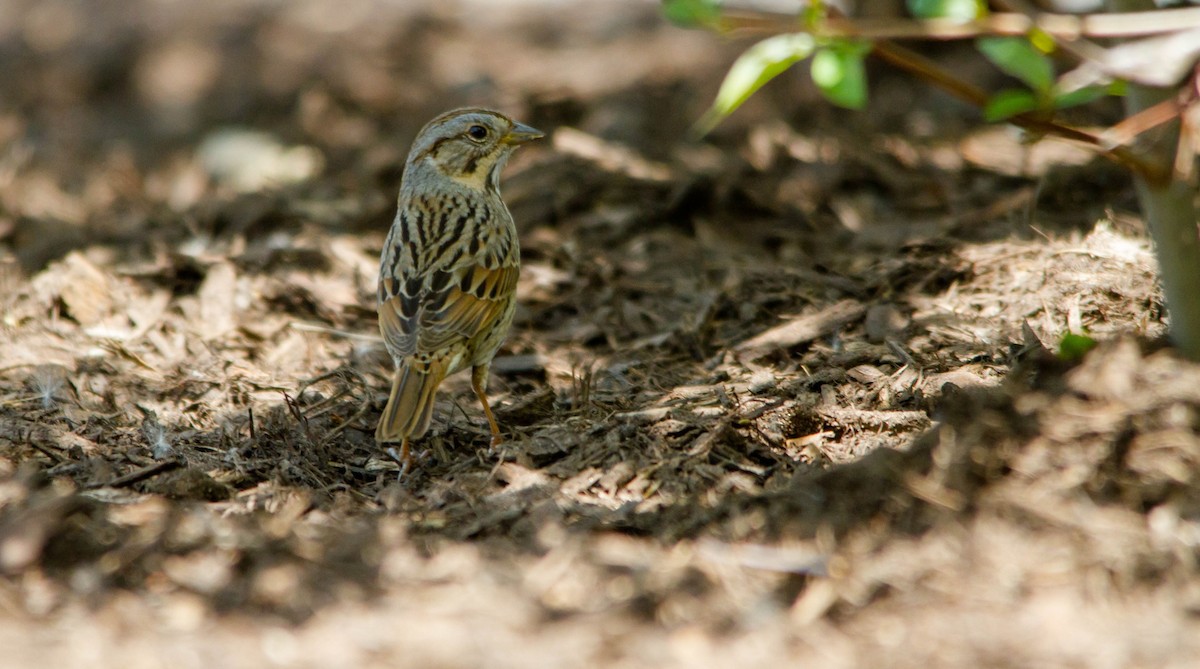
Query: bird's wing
(423, 315)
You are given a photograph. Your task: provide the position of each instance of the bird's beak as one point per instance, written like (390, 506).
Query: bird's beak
(522, 133)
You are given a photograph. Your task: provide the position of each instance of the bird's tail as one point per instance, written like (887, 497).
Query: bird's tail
(410, 405)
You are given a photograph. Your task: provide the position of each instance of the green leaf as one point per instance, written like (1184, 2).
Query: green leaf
(1009, 103)
(839, 72)
(692, 13)
(758, 65)
(1017, 57)
(1073, 346)
(962, 10)
(813, 14)
(1080, 96)
(1042, 40)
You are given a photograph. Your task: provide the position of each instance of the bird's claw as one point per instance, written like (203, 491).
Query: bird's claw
(404, 462)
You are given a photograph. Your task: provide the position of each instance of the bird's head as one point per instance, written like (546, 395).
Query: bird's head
(469, 146)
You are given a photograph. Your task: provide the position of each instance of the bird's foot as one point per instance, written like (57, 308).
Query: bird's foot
(494, 444)
(405, 462)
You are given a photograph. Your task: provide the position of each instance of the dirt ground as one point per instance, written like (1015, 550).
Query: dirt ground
(787, 396)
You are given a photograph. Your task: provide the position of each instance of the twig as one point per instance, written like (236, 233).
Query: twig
(46, 452)
(933, 73)
(311, 327)
(294, 409)
(139, 475)
(761, 409)
(327, 405)
(1080, 47)
(900, 351)
(1061, 26)
(801, 329)
(363, 408)
(320, 408)
(1151, 117)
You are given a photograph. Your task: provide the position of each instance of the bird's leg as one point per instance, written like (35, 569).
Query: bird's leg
(404, 458)
(479, 376)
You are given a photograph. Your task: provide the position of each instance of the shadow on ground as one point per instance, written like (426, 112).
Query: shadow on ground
(788, 394)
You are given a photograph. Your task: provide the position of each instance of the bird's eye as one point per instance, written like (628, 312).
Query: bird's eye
(477, 132)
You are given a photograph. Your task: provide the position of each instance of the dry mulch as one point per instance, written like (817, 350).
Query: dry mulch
(791, 394)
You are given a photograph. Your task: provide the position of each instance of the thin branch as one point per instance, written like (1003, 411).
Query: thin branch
(1080, 47)
(935, 74)
(312, 327)
(139, 475)
(1061, 26)
(925, 68)
(1128, 129)
(1065, 27)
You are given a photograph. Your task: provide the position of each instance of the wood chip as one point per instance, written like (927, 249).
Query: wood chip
(217, 295)
(84, 290)
(609, 155)
(801, 329)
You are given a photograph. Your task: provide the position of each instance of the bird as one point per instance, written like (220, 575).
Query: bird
(449, 267)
